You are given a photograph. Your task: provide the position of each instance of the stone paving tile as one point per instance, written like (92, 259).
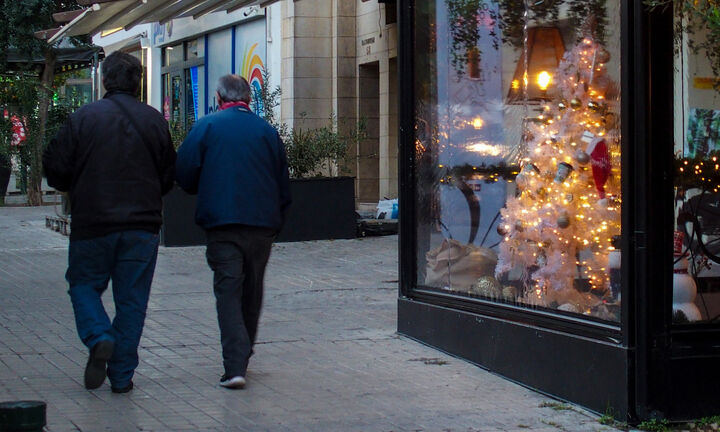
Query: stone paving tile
(327, 358)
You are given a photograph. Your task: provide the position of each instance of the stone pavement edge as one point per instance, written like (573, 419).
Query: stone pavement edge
(328, 357)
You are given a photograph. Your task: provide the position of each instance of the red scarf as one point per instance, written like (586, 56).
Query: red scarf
(226, 105)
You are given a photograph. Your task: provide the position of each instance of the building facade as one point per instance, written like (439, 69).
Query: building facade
(559, 180)
(335, 62)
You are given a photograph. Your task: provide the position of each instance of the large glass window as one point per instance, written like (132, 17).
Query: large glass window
(696, 276)
(518, 152)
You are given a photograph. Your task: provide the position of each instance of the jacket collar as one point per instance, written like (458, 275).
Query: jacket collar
(112, 93)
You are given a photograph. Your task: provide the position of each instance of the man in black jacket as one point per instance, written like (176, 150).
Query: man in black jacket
(116, 159)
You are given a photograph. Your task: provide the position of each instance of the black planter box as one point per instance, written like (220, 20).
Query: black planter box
(322, 209)
(5, 173)
(179, 228)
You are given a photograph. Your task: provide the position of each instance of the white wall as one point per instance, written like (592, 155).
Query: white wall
(219, 49)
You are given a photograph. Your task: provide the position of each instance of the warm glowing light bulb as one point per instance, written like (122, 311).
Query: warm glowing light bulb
(544, 79)
(478, 123)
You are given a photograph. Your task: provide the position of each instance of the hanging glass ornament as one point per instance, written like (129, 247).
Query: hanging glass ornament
(581, 157)
(502, 229)
(594, 106)
(575, 103)
(563, 221)
(602, 55)
(563, 172)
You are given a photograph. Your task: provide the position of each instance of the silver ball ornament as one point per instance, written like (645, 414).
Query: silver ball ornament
(581, 157)
(563, 221)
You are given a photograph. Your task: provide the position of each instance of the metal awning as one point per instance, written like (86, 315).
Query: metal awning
(101, 15)
(67, 57)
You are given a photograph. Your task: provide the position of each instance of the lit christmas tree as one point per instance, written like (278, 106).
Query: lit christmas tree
(560, 225)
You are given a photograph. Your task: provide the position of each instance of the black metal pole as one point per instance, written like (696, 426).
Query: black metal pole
(650, 206)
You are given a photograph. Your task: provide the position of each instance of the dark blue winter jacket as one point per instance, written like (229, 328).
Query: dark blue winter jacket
(236, 163)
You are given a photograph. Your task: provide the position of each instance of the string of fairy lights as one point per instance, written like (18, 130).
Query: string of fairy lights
(562, 223)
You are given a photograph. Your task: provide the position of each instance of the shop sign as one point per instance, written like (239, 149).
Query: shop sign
(161, 32)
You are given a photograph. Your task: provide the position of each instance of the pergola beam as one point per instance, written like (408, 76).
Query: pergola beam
(66, 17)
(92, 2)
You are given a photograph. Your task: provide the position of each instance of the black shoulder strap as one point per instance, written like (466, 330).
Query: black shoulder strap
(139, 130)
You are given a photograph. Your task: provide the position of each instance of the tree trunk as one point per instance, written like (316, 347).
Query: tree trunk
(34, 189)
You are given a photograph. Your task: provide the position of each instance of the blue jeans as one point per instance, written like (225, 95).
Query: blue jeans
(128, 258)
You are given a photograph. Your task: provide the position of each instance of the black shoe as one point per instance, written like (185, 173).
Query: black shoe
(125, 389)
(95, 369)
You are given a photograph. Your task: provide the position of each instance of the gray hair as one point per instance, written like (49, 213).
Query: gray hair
(233, 88)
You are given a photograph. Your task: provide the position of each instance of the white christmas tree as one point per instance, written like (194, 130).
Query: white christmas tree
(560, 225)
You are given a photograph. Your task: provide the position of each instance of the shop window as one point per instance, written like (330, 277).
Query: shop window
(141, 55)
(172, 98)
(173, 55)
(194, 49)
(192, 100)
(696, 276)
(518, 151)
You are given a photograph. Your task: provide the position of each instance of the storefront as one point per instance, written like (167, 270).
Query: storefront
(192, 62)
(559, 196)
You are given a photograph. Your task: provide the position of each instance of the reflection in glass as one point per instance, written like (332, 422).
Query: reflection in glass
(518, 152)
(696, 275)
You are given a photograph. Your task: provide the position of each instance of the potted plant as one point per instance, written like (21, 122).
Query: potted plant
(323, 204)
(700, 18)
(178, 214)
(323, 201)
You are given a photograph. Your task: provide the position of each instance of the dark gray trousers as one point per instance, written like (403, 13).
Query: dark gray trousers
(238, 254)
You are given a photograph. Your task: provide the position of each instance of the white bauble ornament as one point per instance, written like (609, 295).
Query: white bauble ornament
(684, 291)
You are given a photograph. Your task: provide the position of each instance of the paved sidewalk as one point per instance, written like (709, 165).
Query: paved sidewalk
(328, 357)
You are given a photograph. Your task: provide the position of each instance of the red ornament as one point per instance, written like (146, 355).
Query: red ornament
(18, 131)
(600, 162)
(678, 240)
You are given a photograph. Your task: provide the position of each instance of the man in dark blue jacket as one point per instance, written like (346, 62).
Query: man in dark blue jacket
(116, 160)
(236, 163)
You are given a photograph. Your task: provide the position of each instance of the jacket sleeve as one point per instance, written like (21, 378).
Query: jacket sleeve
(190, 159)
(57, 159)
(283, 181)
(167, 163)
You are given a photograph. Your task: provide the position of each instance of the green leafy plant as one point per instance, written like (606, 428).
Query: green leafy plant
(310, 151)
(700, 18)
(512, 16)
(708, 421)
(557, 406)
(178, 133)
(655, 425)
(30, 95)
(19, 95)
(464, 25)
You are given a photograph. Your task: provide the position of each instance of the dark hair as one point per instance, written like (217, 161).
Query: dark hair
(121, 71)
(233, 88)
